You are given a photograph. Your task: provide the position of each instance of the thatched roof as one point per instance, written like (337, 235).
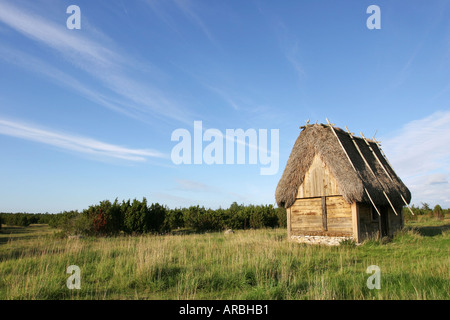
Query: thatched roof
(319, 139)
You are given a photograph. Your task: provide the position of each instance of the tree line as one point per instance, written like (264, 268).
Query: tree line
(425, 210)
(138, 217)
(23, 219)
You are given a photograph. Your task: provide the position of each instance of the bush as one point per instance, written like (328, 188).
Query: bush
(438, 212)
(281, 217)
(72, 222)
(263, 217)
(201, 219)
(138, 217)
(106, 217)
(135, 216)
(173, 220)
(155, 218)
(17, 219)
(244, 217)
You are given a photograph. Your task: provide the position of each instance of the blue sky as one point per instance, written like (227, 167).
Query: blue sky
(87, 115)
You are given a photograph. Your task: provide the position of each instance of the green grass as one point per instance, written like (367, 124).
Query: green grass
(251, 264)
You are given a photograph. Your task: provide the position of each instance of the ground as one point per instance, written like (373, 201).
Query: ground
(247, 264)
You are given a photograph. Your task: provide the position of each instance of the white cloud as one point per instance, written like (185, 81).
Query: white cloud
(60, 78)
(420, 154)
(191, 185)
(75, 143)
(292, 54)
(437, 179)
(55, 36)
(100, 59)
(186, 7)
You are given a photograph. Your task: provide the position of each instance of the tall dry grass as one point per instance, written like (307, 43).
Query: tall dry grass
(251, 264)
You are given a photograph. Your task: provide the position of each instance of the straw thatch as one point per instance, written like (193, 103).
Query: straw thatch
(319, 139)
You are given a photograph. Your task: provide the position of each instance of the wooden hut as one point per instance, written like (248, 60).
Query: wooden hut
(338, 185)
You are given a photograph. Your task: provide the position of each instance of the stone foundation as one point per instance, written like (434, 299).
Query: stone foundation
(326, 240)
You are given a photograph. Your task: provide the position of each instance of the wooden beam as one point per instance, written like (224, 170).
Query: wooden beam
(368, 166)
(324, 213)
(380, 234)
(384, 168)
(359, 151)
(407, 204)
(382, 153)
(340, 143)
(392, 206)
(376, 157)
(348, 157)
(371, 201)
(355, 222)
(289, 226)
(306, 125)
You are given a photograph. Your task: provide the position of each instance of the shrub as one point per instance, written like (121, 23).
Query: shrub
(135, 216)
(201, 219)
(72, 223)
(17, 219)
(173, 220)
(154, 221)
(281, 217)
(438, 212)
(236, 217)
(106, 217)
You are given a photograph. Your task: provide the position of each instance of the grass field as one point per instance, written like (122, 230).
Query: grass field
(251, 264)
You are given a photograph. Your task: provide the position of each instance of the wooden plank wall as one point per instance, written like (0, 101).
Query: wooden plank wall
(318, 181)
(395, 221)
(368, 227)
(306, 217)
(339, 214)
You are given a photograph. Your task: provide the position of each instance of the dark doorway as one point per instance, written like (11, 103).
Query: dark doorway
(383, 221)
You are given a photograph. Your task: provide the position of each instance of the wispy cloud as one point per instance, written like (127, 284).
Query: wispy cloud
(187, 8)
(79, 144)
(292, 55)
(225, 95)
(288, 42)
(156, 7)
(55, 36)
(196, 189)
(191, 185)
(420, 155)
(60, 78)
(100, 59)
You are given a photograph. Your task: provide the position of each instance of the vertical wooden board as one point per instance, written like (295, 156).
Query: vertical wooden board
(395, 221)
(300, 193)
(289, 226)
(318, 181)
(355, 222)
(339, 215)
(324, 213)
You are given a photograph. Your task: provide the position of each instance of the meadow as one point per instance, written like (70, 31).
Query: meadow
(248, 264)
